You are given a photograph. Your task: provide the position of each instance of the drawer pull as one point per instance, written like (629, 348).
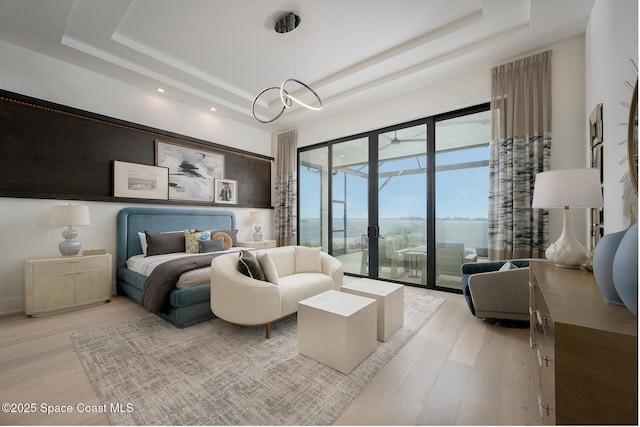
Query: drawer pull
(532, 343)
(545, 410)
(541, 319)
(542, 358)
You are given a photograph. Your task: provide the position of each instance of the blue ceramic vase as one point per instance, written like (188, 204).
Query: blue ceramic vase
(603, 265)
(625, 269)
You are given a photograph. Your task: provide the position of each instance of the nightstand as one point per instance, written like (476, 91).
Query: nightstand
(54, 285)
(262, 244)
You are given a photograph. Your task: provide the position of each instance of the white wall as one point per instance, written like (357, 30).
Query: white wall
(472, 88)
(24, 222)
(611, 40)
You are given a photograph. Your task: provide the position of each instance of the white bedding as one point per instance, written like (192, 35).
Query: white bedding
(145, 265)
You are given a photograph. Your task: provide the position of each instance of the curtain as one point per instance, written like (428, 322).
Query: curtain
(285, 209)
(520, 147)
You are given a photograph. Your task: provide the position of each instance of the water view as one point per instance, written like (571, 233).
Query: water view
(405, 232)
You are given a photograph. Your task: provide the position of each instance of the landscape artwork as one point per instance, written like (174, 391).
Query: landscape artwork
(191, 171)
(140, 181)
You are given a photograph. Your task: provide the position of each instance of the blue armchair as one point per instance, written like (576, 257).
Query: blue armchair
(493, 294)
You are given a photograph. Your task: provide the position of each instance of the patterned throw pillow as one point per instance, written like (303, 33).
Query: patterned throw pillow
(191, 239)
(249, 266)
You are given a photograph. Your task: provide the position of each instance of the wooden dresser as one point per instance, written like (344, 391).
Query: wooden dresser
(586, 348)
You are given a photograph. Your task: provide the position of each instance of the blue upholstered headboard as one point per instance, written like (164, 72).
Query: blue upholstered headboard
(130, 221)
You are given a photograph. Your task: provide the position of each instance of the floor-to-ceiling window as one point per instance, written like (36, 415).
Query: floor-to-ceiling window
(461, 194)
(406, 203)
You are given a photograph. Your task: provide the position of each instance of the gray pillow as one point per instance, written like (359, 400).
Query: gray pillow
(249, 266)
(165, 243)
(214, 245)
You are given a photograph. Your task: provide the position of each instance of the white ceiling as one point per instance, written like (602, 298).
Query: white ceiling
(221, 53)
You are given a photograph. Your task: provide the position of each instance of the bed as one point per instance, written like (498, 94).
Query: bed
(183, 306)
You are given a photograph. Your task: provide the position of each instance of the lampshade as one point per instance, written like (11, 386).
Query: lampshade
(254, 216)
(567, 187)
(62, 215)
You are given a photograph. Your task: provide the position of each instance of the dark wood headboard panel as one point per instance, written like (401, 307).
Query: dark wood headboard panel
(53, 151)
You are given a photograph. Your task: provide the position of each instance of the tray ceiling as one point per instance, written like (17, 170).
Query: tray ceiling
(221, 53)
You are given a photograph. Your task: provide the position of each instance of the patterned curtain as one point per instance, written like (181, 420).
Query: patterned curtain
(520, 147)
(285, 209)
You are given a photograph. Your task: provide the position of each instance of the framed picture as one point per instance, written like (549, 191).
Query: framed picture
(191, 171)
(226, 191)
(140, 181)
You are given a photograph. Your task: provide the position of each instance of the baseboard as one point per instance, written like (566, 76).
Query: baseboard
(11, 306)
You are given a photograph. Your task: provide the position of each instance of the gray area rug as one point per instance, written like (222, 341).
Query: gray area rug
(216, 373)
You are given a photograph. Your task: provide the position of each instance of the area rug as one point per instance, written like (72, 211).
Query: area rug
(149, 373)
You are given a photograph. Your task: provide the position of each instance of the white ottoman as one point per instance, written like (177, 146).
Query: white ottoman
(390, 297)
(337, 329)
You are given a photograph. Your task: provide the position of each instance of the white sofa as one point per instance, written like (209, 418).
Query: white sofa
(301, 273)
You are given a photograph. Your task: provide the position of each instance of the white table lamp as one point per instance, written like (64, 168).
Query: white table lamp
(254, 217)
(567, 188)
(69, 215)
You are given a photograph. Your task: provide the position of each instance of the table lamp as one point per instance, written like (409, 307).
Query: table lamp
(567, 188)
(69, 215)
(254, 217)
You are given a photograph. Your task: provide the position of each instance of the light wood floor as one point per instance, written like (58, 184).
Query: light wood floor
(457, 370)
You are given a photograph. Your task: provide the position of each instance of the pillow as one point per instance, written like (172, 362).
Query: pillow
(268, 267)
(308, 260)
(143, 242)
(508, 266)
(228, 241)
(214, 245)
(191, 240)
(249, 266)
(143, 239)
(232, 233)
(164, 243)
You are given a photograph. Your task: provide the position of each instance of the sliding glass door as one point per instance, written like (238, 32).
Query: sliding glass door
(406, 203)
(402, 204)
(461, 194)
(350, 203)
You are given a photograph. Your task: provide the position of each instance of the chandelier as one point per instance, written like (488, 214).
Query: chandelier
(286, 23)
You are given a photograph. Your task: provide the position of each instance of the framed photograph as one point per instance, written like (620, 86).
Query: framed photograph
(191, 171)
(140, 181)
(226, 191)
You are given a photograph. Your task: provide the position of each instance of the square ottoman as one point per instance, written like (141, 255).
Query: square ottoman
(337, 329)
(390, 297)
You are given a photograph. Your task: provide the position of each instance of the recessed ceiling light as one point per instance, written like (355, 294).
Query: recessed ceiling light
(160, 90)
(213, 108)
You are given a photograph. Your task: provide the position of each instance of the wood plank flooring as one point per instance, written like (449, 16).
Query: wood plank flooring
(457, 370)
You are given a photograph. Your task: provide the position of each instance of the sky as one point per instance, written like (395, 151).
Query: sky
(459, 193)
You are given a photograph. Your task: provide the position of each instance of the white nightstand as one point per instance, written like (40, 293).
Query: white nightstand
(262, 244)
(54, 285)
